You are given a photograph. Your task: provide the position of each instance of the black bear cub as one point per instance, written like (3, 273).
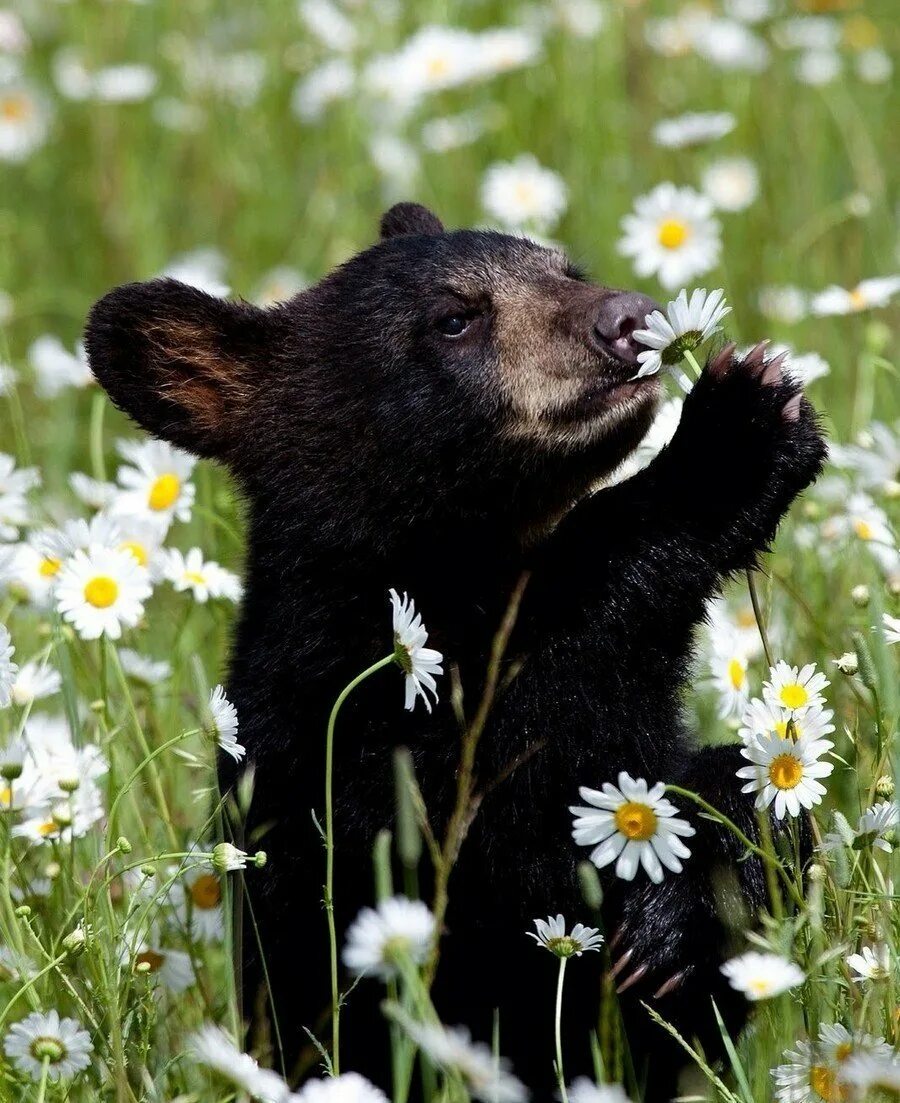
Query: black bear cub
(432, 417)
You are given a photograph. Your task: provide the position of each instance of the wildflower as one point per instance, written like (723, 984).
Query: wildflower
(784, 303)
(870, 1071)
(33, 682)
(149, 672)
(804, 368)
(731, 183)
(155, 481)
(433, 59)
(731, 46)
(867, 295)
(551, 933)
(45, 1038)
(93, 492)
(761, 976)
(795, 689)
(848, 663)
(694, 128)
(24, 121)
(227, 858)
(223, 720)
(583, 1090)
(101, 590)
(862, 520)
(522, 193)
(14, 486)
(860, 596)
(631, 825)
(8, 669)
(815, 1070)
(818, 67)
(203, 579)
(56, 368)
(330, 82)
(874, 458)
(686, 324)
(671, 234)
(872, 963)
(203, 269)
(891, 628)
(349, 1087)
(785, 770)
(378, 935)
(212, 1047)
(200, 900)
(451, 1048)
(419, 663)
(329, 24)
(874, 66)
(764, 719)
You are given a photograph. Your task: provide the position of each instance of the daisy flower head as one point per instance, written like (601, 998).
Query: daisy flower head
(56, 368)
(551, 933)
(34, 681)
(418, 662)
(867, 295)
(155, 481)
(671, 234)
(523, 194)
(693, 128)
(872, 1071)
(785, 771)
(205, 270)
(203, 579)
(101, 590)
(764, 718)
(14, 487)
(872, 963)
(200, 901)
(222, 720)
(212, 1047)
(760, 976)
(24, 121)
(891, 628)
(795, 688)
(876, 824)
(486, 1076)
(8, 669)
(141, 668)
(41, 1039)
(162, 965)
(686, 324)
(631, 825)
(732, 183)
(349, 1087)
(378, 935)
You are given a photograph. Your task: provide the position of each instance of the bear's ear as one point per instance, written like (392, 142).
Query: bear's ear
(183, 364)
(409, 218)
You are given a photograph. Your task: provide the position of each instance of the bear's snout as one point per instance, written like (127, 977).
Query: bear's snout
(620, 313)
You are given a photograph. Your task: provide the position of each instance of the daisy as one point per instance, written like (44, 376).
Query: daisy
(349, 1087)
(8, 669)
(200, 903)
(583, 1090)
(818, 67)
(328, 83)
(451, 1048)
(784, 303)
(815, 1070)
(785, 771)
(101, 590)
(33, 682)
(168, 967)
(14, 486)
(522, 193)
(686, 324)
(378, 935)
(501, 49)
(874, 66)
(41, 1039)
(329, 24)
(795, 689)
(672, 234)
(551, 933)
(731, 46)
(203, 579)
(761, 976)
(874, 459)
(891, 628)
(93, 492)
(875, 824)
(129, 83)
(228, 859)
(142, 669)
(56, 368)
(839, 1044)
(143, 537)
(155, 481)
(803, 368)
(212, 1047)
(223, 723)
(731, 183)
(763, 719)
(693, 128)
(867, 1071)
(867, 295)
(24, 122)
(872, 963)
(433, 59)
(419, 663)
(203, 269)
(631, 825)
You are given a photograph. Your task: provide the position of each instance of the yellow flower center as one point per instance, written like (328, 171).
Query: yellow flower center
(151, 958)
(761, 986)
(782, 729)
(860, 33)
(49, 568)
(862, 528)
(524, 193)
(635, 820)
(858, 299)
(793, 695)
(206, 892)
(139, 551)
(824, 1083)
(673, 233)
(195, 577)
(785, 771)
(48, 828)
(437, 67)
(101, 591)
(736, 673)
(746, 618)
(15, 109)
(164, 492)
(843, 1051)
(6, 796)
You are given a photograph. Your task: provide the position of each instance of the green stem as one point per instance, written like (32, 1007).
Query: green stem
(329, 856)
(757, 613)
(557, 1025)
(692, 360)
(42, 1087)
(98, 463)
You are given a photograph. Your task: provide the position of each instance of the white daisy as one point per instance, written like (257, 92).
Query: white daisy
(861, 520)
(56, 368)
(761, 976)
(433, 59)
(522, 194)
(874, 458)
(419, 663)
(874, 65)
(205, 270)
(93, 492)
(199, 903)
(872, 963)
(163, 965)
(876, 824)
(672, 234)
(793, 688)
(867, 1072)
(203, 579)
(839, 1044)
(583, 1090)
(763, 719)
(328, 83)
(867, 295)
(732, 183)
(144, 669)
(693, 128)
(728, 666)
(686, 324)
(818, 67)
(14, 487)
(24, 121)
(212, 1047)
(631, 825)
(785, 771)
(731, 46)
(8, 669)
(349, 1087)
(34, 681)
(891, 628)
(155, 481)
(377, 935)
(143, 537)
(101, 590)
(784, 303)
(223, 719)
(551, 933)
(451, 1048)
(803, 368)
(46, 1038)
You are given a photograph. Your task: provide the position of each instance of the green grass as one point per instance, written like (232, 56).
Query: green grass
(113, 196)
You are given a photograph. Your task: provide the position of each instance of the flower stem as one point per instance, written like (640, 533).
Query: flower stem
(557, 1025)
(692, 360)
(329, 856)
(42, 1087)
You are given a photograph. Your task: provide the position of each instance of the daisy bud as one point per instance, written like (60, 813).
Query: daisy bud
(847, 664)
(884, 787)
(97, 706)
(23, 911)
(260, 858)
(11, 770)
(52, 870)
(227, 858)
(148, 871)
(878, 336)
(61, 816)
(123, 845)
(859, 595)
(69, 784)
(75, 941)
(142, 968)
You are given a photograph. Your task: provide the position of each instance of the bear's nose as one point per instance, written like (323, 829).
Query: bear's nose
(620, 314)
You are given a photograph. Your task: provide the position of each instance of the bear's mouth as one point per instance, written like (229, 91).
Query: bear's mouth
(615, 397)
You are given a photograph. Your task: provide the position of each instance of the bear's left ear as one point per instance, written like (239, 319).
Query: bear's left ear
(409, 218)
(185, 365)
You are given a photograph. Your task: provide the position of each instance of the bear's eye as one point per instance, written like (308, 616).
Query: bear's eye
(454, 325)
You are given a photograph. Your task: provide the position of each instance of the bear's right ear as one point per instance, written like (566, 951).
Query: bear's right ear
(183, 364)
(409, 218)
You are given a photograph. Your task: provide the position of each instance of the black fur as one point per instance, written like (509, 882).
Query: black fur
(374, 452)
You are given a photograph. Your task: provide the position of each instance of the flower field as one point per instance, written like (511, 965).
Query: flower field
(735, 160)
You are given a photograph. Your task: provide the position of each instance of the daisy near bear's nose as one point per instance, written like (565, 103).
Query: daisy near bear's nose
(619, 315)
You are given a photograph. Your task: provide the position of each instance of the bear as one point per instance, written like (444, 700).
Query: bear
(439, 416)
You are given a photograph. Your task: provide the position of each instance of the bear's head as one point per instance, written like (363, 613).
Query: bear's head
(469, 370)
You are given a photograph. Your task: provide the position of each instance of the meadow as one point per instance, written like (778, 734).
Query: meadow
(248, 149)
